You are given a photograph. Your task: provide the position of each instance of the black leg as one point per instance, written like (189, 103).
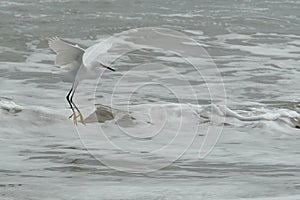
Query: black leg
(68, 99)
(71, 106)
(72, 102)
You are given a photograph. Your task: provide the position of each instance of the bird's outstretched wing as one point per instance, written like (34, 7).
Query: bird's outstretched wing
(68, 55)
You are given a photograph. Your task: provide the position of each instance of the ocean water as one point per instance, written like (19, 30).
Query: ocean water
(202, 104)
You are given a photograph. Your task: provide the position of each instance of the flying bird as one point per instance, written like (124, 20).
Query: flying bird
(69, 56)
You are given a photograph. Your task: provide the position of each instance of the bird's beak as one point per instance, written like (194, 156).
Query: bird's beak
(102, 65)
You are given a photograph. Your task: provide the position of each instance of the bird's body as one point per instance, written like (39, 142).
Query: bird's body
(70, 57)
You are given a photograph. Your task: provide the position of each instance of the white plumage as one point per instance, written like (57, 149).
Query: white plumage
(69, 56)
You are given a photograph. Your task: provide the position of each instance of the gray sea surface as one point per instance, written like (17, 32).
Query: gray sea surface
(142, 139)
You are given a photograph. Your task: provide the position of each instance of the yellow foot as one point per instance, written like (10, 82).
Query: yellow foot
(74, 117)
(82, 119)
(71, 116)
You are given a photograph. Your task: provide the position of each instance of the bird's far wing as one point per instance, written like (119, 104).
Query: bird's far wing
(97, 52)
(68, 54)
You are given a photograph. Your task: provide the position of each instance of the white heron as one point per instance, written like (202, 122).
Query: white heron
(70, 57)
